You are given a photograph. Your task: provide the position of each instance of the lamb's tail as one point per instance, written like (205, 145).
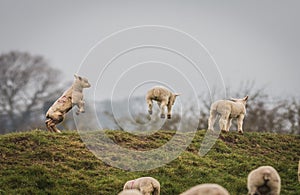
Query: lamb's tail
(156, 188)
(267, 176)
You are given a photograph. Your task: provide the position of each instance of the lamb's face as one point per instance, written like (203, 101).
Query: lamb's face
(84, 83)
(242, 101)
(173, 98)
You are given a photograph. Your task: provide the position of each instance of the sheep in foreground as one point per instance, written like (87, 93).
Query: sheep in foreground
(163, 97)
(130, 192)
(299, 171)
(73, 96)
(264, 180)
(206, 189)
(228, 109)
(146, 185)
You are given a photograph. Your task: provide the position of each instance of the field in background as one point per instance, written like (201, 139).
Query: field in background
(38, 162)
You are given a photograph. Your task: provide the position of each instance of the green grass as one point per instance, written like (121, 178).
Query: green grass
(38, 162)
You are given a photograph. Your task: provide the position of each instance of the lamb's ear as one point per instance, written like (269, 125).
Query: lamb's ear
(245, 98)
(77, 77)
(177, 94)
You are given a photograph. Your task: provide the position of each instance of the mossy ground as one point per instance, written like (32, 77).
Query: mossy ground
(38, 162)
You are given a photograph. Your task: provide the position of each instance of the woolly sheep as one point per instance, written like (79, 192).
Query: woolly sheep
(299, 171)
(163, 97)
(206, 189)
(146, 185)
(130, 192)
(264, 180)
(73, 96)
(228, 109)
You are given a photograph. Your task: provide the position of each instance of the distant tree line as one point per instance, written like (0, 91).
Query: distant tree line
(27, 82)
(28, 87)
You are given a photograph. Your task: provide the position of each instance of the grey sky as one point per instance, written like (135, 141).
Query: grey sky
(249, 40)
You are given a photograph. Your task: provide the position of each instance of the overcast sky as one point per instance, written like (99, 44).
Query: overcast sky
(239, 41)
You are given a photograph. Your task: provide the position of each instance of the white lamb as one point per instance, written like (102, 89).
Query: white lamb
(206, 189)
(299, 171)
(73, 96)
(146, 185)
(130, 192)
(264, 180)
(228, 109)
(163, 97)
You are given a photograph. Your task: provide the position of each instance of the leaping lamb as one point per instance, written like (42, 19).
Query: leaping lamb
(73, 96)
(163, 97)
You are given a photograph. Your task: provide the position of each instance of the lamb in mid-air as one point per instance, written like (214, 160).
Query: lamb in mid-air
(206, 189)
(163, 97)
(146, 185)
(73, 96)
(228, 109)
(264, 180)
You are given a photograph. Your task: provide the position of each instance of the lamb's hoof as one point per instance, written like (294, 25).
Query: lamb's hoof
(83, 111)
(169, 116)
(224, 131)
(241, 132)
(150, 112)
(162, 116)
(77, 113)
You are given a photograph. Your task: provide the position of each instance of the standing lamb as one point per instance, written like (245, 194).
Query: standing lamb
(73, 96)
(228, 109)
(163, 97)
(264, 180)
(206, 189)
(146, 185)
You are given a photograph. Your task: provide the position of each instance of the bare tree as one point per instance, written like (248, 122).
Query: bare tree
(26, 82)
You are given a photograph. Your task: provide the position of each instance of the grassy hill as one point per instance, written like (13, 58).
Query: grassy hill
(38, 162)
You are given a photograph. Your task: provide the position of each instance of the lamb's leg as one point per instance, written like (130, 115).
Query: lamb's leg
(56, 119)
(253, 191)
(169, 111)
(223, 121)
(274, 192)
(51, 126)
(162, 109)
(56, 129)
(150, 105)
(212, 120)
(228, 124)
(48, 122)
(240, 123)
(275, 189)
(80, 107)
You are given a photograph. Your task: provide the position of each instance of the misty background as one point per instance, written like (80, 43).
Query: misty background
(245, 47)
